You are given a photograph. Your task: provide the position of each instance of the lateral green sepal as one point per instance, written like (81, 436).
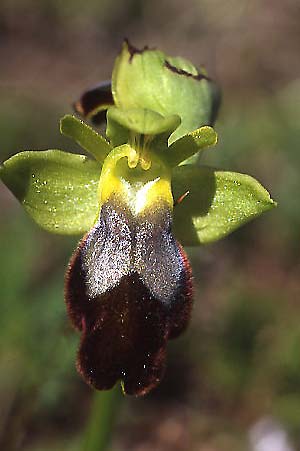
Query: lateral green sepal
(218, 203)
(85, 136)
(57, 189)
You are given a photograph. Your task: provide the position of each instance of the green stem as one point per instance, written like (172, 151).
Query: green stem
(100, 425)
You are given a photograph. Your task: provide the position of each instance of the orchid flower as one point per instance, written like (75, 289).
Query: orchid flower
(139, 199)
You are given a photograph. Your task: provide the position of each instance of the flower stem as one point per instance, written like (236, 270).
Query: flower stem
(100, 425)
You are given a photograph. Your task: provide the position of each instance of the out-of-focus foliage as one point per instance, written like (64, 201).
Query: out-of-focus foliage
(240, 360)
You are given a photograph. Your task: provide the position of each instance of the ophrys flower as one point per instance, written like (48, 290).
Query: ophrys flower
(129, 285)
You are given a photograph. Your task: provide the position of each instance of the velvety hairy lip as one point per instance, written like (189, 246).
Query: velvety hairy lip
(125, 327)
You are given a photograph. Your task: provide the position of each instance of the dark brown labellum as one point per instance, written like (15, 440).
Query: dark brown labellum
(128, 290)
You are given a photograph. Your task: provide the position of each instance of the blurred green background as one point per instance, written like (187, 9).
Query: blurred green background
(239, 362)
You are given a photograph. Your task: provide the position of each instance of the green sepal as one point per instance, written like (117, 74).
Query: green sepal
(150, 80)
(218, 202)
(85, 136)
(57, 189)
(190, 144)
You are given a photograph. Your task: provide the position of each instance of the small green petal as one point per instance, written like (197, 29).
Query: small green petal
(57, 189)
(190, 144)
(149, 79)
(218, 202)
(144, 121)
(85, 136)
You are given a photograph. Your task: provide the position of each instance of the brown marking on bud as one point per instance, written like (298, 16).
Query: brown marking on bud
(183, 72)
(135, 51)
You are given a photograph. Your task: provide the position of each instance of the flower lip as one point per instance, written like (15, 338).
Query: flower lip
(128, 289)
